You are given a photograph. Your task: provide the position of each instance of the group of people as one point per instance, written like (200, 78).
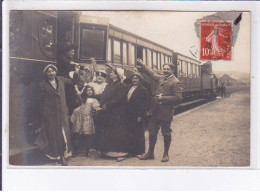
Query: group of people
(108, 117)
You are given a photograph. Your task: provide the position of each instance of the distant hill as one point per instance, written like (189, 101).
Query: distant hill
(240, 76)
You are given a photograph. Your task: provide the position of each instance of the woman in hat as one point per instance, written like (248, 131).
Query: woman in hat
(99, 84)
(65, 61)
(57, 142)
(113, 138)
(136, 107)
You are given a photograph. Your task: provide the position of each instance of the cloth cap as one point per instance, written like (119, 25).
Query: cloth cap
(138, 75)
(171, 65)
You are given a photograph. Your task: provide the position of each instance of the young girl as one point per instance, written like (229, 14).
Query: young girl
(82, 118)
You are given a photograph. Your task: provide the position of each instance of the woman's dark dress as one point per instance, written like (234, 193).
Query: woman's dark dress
(113, 137)
(136, 107)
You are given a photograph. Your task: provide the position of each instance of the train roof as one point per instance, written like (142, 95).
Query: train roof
(189, 58)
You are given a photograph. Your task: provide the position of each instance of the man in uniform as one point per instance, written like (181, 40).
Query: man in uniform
(168, 93)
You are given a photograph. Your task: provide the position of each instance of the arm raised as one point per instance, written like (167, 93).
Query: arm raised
(147, 70)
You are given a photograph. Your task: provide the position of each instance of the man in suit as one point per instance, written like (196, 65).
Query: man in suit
(168, 93)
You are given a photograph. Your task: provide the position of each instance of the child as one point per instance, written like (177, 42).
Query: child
(81, 79)
(82, 118)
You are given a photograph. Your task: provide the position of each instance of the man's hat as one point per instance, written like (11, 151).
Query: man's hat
(67, 46)
(171, 65)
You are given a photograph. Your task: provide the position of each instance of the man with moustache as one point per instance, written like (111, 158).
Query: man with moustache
(168, 94)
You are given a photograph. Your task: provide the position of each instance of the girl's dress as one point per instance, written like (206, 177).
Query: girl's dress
(82, 117)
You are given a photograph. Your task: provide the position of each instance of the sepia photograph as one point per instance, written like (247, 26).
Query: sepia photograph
(129, 88)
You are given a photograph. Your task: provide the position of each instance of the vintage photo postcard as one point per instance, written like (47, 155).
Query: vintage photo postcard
(130, 95)
(129, 88)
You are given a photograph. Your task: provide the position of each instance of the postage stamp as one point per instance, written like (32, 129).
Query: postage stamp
(216, 41)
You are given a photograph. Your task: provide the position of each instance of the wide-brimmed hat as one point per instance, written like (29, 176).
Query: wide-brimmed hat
(101, 72)
(120, 73)
(137, 74)
(48, 66)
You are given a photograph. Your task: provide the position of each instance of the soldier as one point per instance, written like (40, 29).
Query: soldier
(168, 94)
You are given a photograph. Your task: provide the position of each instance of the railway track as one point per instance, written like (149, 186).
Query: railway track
(191, 104)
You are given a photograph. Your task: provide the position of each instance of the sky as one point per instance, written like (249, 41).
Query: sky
(176, 31)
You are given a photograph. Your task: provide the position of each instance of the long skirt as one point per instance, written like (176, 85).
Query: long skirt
(136, 137)
(112, 133)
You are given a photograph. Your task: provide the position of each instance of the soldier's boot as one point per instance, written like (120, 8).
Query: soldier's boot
(150, 154)
(167, 143)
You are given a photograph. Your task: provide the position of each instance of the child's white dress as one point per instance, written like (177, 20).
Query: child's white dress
(82, 117)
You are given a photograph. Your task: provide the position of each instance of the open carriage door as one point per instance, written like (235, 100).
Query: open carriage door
(139, 52)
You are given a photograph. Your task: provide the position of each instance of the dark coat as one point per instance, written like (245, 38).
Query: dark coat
(171, 90)
(136, 107)
(64, 67)
(113, 135)
(55, 116)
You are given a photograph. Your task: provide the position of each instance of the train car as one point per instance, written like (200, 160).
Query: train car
(96, 38)
(32, 40)
(189, 73)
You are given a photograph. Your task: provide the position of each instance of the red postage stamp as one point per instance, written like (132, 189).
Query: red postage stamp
(215, 43)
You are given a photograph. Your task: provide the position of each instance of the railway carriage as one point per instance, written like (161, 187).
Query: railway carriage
(32, 45)
(98, 39)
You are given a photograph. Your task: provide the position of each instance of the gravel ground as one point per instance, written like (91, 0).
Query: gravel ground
(216, 134)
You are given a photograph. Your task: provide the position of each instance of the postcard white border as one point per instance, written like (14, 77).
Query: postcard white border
(129, 178)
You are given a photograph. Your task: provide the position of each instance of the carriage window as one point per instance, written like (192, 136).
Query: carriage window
(92, 44)
(154, 60)
(194, 70)
(144, 55)
(117, 52)
(159, 61)
(149, 58)
(166, 59)
(170, 59)
(131, 50)
(184, 68)
(179, 67)
(124, 53)
(190, 69)
(162, 59)
(109, 50)
(198, 69)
